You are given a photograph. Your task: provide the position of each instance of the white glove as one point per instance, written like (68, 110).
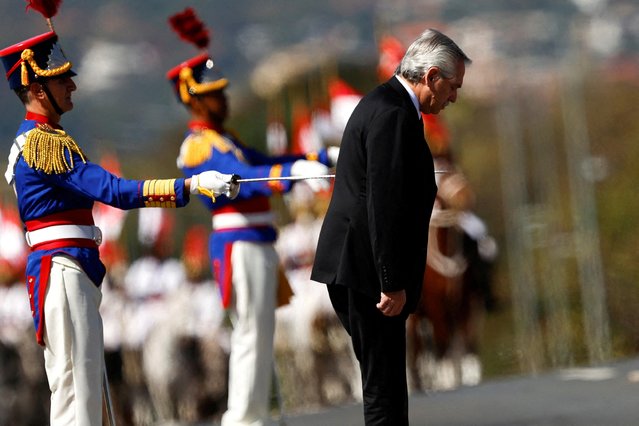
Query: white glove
(311, 169)
(212, 184)
(333, 154)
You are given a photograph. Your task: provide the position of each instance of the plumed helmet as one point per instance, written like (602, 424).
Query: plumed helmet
(196, 76)
(199, 74)
(35, 59)
(39, 57)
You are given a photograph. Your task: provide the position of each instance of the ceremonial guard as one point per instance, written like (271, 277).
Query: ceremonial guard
(244, 261)
(56, 187)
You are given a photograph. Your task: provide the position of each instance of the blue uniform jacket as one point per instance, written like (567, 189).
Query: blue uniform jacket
(62, 198)
(206, 148)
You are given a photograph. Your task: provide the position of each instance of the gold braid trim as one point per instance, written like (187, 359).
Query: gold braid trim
(27, 58)
(45, 148)
(197, 148)
(159, 193)
(188, 86)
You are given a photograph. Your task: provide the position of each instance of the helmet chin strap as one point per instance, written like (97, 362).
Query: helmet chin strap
(55, 105)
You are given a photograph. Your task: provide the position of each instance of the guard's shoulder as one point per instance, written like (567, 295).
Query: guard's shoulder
(50, 150)
(199, 147)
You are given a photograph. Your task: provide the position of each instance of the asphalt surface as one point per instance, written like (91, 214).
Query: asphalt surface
(606, 395)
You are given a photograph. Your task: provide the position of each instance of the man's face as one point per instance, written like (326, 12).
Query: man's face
(60, 89)
(443, 90)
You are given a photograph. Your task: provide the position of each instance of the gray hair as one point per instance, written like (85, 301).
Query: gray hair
(431, 49)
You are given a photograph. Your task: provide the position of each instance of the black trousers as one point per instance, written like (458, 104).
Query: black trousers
(379, 343)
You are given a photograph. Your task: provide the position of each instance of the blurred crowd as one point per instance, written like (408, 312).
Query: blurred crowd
(166, 333)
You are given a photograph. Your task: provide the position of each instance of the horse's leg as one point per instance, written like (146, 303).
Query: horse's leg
(437, 305)
(440, 313)
(413, 351)
(471, 310)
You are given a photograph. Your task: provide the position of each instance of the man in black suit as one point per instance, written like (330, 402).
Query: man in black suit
(372, 246)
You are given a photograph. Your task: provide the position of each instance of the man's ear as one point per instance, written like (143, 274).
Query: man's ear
(432, 75)
(36, 91)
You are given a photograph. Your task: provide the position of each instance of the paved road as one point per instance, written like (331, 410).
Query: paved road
(600, 396)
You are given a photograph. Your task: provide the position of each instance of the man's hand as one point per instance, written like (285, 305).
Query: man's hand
(212, 184)
(392, 303)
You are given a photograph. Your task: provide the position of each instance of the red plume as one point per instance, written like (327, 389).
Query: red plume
(189, 27)
(48, 8)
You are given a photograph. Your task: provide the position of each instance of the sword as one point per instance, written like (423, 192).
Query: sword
(106, 398)
(239, 179)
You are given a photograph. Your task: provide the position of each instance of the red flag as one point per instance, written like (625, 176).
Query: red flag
(437, 134)
(391, 52)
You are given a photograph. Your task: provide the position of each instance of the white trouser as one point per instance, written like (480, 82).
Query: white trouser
(74, 350)
(255, 278)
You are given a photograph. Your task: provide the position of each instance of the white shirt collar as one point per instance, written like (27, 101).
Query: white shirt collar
(413, 96)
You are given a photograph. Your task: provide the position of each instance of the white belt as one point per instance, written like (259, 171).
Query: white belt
(242, 220)
(61, 232)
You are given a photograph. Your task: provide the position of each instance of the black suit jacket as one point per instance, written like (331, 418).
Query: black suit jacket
(375, 232)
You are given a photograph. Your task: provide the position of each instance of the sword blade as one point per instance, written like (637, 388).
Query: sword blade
(264, 179)
(275, 178)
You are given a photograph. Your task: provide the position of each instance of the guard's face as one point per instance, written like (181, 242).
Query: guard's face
(216, 105)
(61, 89)
(444, 90)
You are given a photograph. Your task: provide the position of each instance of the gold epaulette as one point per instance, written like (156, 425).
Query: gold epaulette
(197, 148)
(44, 149)
(159, 193)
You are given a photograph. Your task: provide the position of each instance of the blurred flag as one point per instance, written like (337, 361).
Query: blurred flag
(391, 51)
(276, 138)
(344, 99)
(155, 227)
(13, 250)
(436, 133)
(305, 136)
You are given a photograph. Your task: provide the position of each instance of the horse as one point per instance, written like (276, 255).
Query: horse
(442, 334)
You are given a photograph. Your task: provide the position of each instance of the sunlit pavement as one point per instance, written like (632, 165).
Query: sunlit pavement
(606, 395)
